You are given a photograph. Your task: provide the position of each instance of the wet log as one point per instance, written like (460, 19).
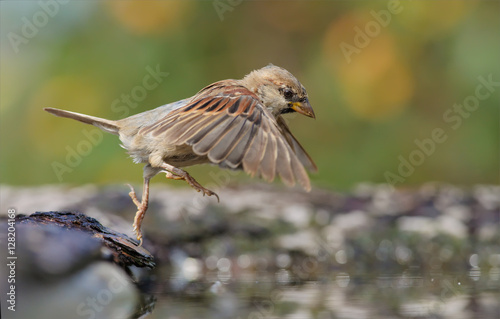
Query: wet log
(123, 249)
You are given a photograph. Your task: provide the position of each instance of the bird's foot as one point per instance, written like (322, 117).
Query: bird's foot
(134, 196)
(139, 215)
(193, 183)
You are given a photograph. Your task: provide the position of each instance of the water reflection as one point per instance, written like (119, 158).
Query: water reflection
(337, 295)
(438, 256)
(245, 287)
(431, 254)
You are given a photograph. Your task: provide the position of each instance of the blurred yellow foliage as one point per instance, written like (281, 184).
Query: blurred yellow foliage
(433, 18)
(375, 80)
(149, 17)
(379, 74)
(289, 16)
(74, 93)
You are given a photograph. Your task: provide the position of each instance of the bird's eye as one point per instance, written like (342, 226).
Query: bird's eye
(288, 94)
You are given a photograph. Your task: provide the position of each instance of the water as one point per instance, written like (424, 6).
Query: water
(376, 253)
(335, 295)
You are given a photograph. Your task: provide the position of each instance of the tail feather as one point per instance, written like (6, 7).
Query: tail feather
(106, 125)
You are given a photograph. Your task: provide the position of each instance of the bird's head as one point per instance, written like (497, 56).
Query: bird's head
(279, 91)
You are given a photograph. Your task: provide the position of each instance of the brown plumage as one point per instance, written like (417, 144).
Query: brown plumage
(235, 124)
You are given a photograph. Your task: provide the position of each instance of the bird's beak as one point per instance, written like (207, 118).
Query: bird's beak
(304, 108)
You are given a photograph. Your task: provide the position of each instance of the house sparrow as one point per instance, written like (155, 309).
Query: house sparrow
(235, 124)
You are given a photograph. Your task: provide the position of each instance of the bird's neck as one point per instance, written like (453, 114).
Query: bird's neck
(252, 82)
(257, 83)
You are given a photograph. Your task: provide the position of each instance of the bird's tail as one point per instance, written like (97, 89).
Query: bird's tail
(105, 125)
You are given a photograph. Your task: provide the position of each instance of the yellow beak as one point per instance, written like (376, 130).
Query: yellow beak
(303, 108)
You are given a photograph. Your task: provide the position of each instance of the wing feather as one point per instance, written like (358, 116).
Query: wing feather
(304, 158)
(235, 157)
(204, 143)
(268, 164)
(255, 153)
(220, 151)
(300, 173)
(228, 124)
(284, 167)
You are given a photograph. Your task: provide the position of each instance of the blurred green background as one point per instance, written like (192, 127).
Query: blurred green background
(379, 75)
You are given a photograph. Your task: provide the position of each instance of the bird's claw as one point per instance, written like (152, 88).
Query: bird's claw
(139, 215)
(210, 193)
(194, 184)
(191, 181)
(133, 195)
(138, 232)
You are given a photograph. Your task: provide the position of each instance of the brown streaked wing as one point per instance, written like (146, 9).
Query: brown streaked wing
(240, 148)
(267, 167)
(255, 153)
(302, 155)
(221, 150)
(284, 168)
(300, 173)
(228, 124)
(218, 131)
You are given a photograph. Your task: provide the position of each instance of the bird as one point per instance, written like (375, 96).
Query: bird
(235, 124)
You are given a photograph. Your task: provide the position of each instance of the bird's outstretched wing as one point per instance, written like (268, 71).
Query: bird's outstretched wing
(227, 123)
(301, 153)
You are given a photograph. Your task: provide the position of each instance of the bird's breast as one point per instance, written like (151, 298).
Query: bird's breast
(144, 149)
(181, 155)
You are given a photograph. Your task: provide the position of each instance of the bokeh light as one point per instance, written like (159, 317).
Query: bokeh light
(389, 86)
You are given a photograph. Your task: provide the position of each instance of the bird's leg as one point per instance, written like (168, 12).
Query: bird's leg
(173, 172)
(142, 206)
